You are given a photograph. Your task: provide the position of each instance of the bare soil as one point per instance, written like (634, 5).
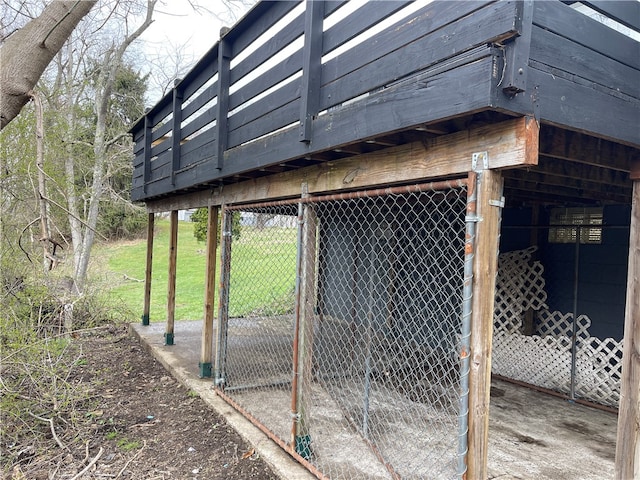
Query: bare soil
(139, 424)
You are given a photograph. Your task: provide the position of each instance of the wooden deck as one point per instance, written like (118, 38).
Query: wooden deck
(291, 87)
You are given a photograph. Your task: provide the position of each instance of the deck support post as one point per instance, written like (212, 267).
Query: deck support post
(171, 288)
(628, 439)
(485, 267)
(206, 350)
(303, 335)
(148, 270)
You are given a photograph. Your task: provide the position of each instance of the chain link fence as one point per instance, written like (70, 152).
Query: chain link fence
(340, 329)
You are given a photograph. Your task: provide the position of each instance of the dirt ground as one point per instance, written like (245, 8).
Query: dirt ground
(140, 424)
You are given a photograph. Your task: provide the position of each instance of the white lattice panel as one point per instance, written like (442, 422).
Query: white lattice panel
(560, 324)
(544, 359)
(519, 287)
(600, 382)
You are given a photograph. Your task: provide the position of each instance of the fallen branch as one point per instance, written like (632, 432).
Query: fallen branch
(130, 460)
(127, 277)
(89, 465)
(53, 429)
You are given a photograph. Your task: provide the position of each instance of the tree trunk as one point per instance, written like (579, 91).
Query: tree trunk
(26, 53)
(104, 88)
(45, 234)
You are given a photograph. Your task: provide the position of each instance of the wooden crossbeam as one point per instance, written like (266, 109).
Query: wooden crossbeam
(577, 147)
(508, 144)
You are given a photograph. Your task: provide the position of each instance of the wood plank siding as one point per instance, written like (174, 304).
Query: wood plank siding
(282, 90)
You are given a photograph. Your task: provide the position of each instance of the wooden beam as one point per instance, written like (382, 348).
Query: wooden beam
(206, 350)
(508, 144)
(582, 171)
(575, 190)
(171, 280)
(147, 275)
(485, 266)
(568, 145)
(628, 440)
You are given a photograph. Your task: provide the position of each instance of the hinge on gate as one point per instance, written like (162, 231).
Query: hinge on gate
(479, 158)
(497, 203)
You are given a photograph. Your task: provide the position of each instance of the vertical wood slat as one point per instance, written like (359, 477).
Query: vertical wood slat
(148, 270)
(485, 267)
(628, 441)
(171, 288)
(175, 132)
(222, 102)
(517, 51)
(311, 68)
(148, 132)
(206, 350)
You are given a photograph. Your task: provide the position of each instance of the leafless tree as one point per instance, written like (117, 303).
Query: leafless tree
(25, 53)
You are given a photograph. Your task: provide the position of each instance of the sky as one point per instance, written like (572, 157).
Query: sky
(179, 37)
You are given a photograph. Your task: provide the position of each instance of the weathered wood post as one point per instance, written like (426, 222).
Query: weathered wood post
(206, 350)
(148, 270)
(171, 288)
(485, 267)
(303, 341)
(628, 442)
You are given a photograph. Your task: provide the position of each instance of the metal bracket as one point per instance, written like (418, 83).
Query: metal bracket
(477, 158)
(497, 203)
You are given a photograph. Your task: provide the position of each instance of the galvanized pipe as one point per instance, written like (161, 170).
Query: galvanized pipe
(574, 326)
(368, 340)
(295, 415)
(223, 299)
(465, 328)
(378, 192)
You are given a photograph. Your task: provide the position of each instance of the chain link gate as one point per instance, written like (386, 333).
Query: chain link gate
(340, 328)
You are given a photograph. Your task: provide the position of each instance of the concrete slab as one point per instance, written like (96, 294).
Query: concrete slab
(532, 435)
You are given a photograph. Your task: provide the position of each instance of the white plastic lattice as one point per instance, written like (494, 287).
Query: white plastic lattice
(560, 324)
(545, 358)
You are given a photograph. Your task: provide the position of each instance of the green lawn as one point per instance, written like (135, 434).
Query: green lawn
(263, 273)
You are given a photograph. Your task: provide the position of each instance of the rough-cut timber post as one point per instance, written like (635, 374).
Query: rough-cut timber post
(628, 441)
(301, 439)
(485, 266)
(206, 350)
(147, 276)
(171, 288)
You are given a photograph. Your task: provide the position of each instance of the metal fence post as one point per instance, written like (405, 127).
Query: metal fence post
(223, 299)
(471, 219)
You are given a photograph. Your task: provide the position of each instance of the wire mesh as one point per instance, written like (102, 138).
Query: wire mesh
(343, 335)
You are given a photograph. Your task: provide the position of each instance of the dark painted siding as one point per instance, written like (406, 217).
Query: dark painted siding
(602, 274)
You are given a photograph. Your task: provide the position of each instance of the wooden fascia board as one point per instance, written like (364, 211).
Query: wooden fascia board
(508, 144)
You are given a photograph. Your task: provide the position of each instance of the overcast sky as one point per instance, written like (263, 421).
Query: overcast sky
(179, 37)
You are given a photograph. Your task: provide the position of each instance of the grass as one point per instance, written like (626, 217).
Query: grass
(254, 283)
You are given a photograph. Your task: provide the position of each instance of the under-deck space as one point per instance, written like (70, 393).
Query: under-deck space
(532, 435)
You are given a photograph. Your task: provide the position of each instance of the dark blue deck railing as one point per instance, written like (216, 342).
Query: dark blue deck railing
(295, 78)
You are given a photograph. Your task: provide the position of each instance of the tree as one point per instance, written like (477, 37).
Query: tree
(38, 41)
